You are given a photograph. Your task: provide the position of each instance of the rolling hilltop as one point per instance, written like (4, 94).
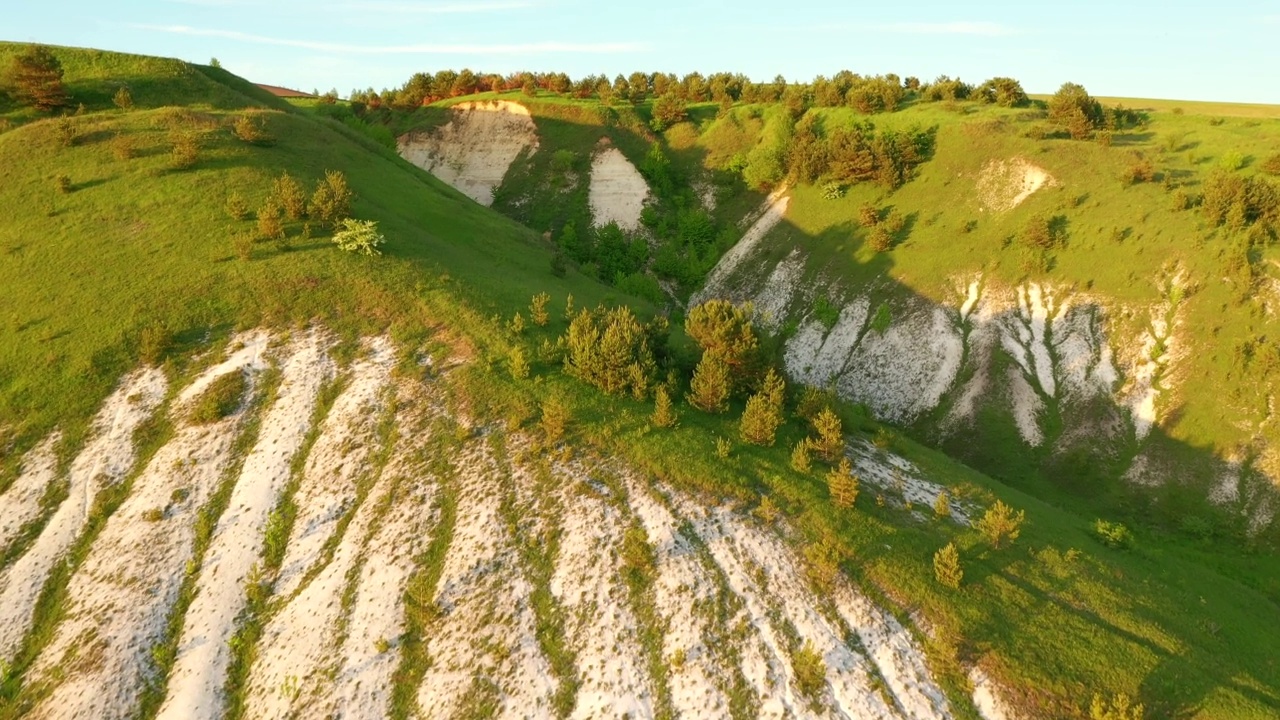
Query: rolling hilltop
(484, 470)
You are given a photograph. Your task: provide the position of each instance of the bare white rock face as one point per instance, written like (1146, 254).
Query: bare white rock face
(474, 150)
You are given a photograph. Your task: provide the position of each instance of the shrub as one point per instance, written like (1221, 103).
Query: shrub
(153, 344)
(1000, 524)
(67, 131)
(767, 510)
(359, 236)
(1271, 165)
(251, 128)
(842, 484)
(942, 505)
(185, 152)
(830, 442)
(868, 215)
(811, 672)
(1140, 170)
(664, 413)
(123, 99)
(800, 457)
(220, 399)
(1112, 534)
(518, 363)
(538, 309)
(1040, 233)
(288, 193)
(555, 419)
(236, 206)
(63, 183)
(763, 414)
(34, 78)
(879, 239)
(1231, 160)
(832, 191)
(270, 226)
(154, 514)
(122, 146)
(895, 222)
(723, 448)
(1180, 200)
(242, 245)
(946, 566)
(331, 202)
(1119, 707)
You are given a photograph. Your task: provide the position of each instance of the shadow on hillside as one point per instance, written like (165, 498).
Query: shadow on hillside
(1077, 471)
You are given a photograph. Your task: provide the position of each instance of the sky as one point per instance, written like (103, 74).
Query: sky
(1226, 50)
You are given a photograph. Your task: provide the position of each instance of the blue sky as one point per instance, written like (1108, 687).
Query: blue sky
(1226, 50)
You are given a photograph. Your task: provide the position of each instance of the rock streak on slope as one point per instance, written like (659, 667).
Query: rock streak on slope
(474, 150)
(121, 596)
(195, 683)
(106, 458)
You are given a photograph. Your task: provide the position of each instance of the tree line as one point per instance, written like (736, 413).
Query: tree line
(866, 93)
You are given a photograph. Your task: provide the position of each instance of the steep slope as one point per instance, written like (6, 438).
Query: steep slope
(1069, 367)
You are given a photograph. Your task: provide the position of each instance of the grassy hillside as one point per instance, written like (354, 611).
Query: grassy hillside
(149, 246)
(138, 251)
(1119, 241)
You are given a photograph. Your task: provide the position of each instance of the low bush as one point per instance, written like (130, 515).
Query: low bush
(359, 236)
(220, 399)
(1112, 534)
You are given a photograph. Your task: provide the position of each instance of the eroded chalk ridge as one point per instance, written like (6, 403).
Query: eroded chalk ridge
(483, 644)
(199, 672)
(107, 456)
(298, 641)
(20, 503)
(99, 660)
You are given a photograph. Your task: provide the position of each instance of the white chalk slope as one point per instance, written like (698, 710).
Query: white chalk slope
(473, 151)
(727, 600)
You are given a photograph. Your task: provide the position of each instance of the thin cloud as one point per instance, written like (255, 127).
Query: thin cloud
(418, 49)
(397, 7)
(988, 29)
(456, 8)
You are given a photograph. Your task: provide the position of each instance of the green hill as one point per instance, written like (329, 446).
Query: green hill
(132, 259)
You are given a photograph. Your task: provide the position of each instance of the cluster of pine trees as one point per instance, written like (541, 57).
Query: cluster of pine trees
(867, 94)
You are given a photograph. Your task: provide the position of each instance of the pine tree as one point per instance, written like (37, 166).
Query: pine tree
(269, 225)
(538, 309)
(664, 413)
(800, 460)
(555, 419)
(763, 414)
(946, 566)
(35, 77)
(288, 193)
(842, 484)
(331, 202)
(518, 363)
(1000, 523)
(830, 442)
(942, 505)
(709, 389)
